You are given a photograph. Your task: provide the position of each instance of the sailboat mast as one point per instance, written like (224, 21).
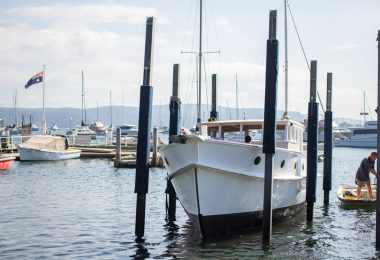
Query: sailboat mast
(97, 111)
(286, 59)
(15, 105)
(111, 106)
(43, 103)
(83, 102)
(237, 101)
(200, 65)
(364, 113)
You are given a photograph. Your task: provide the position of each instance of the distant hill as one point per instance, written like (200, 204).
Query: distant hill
(64, 117)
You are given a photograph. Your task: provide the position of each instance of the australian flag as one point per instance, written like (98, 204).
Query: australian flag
(35, 79)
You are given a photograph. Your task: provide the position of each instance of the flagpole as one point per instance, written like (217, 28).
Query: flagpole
(43, 103)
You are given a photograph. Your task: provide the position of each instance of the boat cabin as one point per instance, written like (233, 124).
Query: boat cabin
(289, 133)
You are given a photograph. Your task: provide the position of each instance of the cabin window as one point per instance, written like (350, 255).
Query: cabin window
(257, 160)
(282, 164)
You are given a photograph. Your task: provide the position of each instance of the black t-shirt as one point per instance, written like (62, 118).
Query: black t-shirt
(362, 174)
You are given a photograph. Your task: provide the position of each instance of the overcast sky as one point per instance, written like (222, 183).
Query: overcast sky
(106, 40)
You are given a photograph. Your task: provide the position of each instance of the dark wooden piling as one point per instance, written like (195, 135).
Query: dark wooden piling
(214, 115)
(154, 148)
(327, 162)
(312, 143)
(378, 144)
(269, 141)
(143, 145)
(174, 127)
(117, 161)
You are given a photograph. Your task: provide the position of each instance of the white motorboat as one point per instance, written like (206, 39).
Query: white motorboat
(46, 148)
(98, 127)
(219, 181)
(362, 137)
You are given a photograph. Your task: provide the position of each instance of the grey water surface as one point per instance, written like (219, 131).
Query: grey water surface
(85, 208)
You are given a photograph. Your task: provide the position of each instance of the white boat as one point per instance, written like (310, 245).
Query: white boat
(54, 127)
(46, 148)
(218, 174)
(362, 137)
(35, 127)
(129, 130)
(219, 181)
(98, 127)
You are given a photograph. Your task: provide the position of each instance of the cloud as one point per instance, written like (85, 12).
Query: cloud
(345, 47)
(86, 13)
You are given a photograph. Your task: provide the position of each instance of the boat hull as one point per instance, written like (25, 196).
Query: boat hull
(27, 154)
(356, 143)
(6, 163)
(221, 188)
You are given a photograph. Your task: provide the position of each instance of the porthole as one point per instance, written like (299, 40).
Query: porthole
(167, 162)
(282, 164)
(257, 160)
(295, 166)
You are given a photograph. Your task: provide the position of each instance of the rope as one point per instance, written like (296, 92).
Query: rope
(303, 50)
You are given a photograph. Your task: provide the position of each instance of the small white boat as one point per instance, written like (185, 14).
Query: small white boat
(54, 127)
(347, 195)
(98, 127)
(46, 148)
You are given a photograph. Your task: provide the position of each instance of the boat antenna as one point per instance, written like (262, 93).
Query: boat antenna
(364, 113)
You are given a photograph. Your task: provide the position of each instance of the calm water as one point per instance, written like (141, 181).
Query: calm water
(86, 209)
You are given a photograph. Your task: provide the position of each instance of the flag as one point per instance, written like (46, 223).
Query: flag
(35, 79)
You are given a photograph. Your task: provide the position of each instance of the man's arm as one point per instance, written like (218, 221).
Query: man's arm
(371, 170)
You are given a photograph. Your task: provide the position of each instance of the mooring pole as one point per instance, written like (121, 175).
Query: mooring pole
(312, 143)
(143, 144)
(269, 140)
(118, 148)
(154, 150)
(378, 144)
(174, 126)
(327, 163)
(214, 115)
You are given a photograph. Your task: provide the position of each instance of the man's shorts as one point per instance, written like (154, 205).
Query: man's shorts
(362, 183)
